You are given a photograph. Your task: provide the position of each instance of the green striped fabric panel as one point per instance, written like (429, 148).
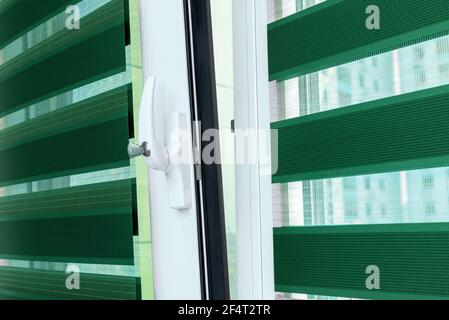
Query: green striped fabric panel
(409, 131)
(334, 33)
(412, 260)
(85, 224)
(23, 284)
(72, 58)
(404, 132)
(86, 136)
(91, 224)
(19, 16)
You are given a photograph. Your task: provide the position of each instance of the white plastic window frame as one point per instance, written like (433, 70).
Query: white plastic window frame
(255, 274)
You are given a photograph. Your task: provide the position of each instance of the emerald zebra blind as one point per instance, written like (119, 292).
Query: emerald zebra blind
(322, 152)
(18, 17)
(296, 46)
(84, 131)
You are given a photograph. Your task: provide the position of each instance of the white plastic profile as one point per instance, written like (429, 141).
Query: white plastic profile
(255, 271)
(174, 236)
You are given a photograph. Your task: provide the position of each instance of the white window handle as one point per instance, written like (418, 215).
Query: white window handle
(159, 159)
(157, 155)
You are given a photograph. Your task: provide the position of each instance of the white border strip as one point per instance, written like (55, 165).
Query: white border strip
(253, 191)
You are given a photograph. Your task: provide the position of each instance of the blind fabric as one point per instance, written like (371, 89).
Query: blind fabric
(79, 224)
(22, 284)
(86, 224)
(334, 32)
(19, 16)
(72, 58)
(97, 129)
(403, 132)
(332, 260)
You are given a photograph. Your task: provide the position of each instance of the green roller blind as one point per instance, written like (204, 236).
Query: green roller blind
(97, 129)
(297, 46)
(332, 260)
(19, 16)
(22, 284)
(323, 154)
(73, 57)
(86, 224)
(67, 155)
(409, 131)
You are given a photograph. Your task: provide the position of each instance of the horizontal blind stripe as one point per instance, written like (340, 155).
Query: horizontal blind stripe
(99, 55)
(331, 260)
(334, 33)
(84, 150)
(6, 4)
(91, 135)
(101, 239)
(95, 199)
(99, 21)
(405, 132)
(86, 224)
(45, 284)
(21, 16)
(105, 107)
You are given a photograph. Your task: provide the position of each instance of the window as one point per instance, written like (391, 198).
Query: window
(420, 76)
(222, 26)
(381, 184)
(63, 117)
(376, 86)
(362, 81)
(344, 75)
(428, 181)
(419, 53)
(443, 46)
(443, 71)
(351, 210)
(364, 193)
(344, 98)
(367, 183)
(429, 208)
(349, 184)
(383, 210)
(369, 210)
(325, 97)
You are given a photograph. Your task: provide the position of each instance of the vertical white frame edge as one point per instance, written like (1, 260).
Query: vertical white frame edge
(255, 274)
(174, 233)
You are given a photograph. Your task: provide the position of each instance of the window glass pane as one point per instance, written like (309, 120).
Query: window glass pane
(45, 30)
(223, 50)
(142, 267)
(418, 196)
(278, 9)
(382, 76)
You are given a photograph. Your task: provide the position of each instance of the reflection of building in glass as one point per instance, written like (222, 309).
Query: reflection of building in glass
(21, 45)
(400, 197)
(424, 66)
(412, 196)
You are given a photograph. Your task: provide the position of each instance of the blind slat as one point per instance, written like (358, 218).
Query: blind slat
(21, 16)
(68, 60)
(413, 260)
(405, 132)
(86, 224)
(21, 283)
(87, 136)
(91, 224)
